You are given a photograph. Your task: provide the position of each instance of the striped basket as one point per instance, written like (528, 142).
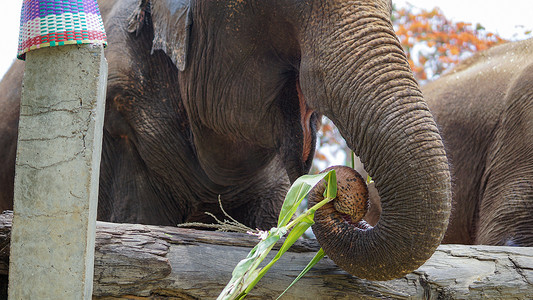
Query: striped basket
(49, 23)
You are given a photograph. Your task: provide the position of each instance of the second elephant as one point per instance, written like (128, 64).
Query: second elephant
(484, 108)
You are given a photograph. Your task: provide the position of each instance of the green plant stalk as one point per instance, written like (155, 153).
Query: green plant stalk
(245, 274)
(308, 212)
(252, 261)
(299, 221)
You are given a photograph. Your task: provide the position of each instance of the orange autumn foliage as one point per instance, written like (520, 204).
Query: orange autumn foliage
(433, 43)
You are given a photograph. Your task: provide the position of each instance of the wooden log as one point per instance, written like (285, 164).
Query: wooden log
(153, 262)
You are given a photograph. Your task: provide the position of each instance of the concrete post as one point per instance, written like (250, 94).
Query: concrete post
(57, 170)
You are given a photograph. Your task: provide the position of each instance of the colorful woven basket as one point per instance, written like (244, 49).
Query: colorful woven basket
(49, 23)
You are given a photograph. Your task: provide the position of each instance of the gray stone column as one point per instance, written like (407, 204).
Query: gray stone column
(57, 171)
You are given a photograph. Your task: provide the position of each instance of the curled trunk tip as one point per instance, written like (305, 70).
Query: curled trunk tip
(351, 202)
(345, 213)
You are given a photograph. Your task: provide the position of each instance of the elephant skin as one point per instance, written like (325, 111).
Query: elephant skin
(484, 109)
(222, 98)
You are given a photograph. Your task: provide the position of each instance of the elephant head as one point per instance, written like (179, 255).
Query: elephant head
(254, 77)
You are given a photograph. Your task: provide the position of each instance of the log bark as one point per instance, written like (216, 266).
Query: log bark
(135, 261)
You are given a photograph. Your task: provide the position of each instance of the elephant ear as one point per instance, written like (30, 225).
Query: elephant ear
(171, 21)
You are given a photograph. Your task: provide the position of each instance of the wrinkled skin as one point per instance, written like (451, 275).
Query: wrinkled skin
(229, 106)
(484, 108)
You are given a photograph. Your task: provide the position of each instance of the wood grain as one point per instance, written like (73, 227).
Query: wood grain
(153, 262)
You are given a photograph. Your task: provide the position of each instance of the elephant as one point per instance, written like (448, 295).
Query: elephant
(209, 99)
(484, 109)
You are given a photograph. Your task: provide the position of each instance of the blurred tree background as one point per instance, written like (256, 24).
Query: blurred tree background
(433, 44)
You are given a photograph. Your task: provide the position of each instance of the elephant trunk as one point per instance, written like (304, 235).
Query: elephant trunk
(367, 89)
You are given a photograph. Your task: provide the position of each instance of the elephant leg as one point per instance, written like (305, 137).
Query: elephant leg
(130, 193)
(255, 203)
(7, 169)
(506, 208)
(10, 94)
(261, 213)
(262, 206)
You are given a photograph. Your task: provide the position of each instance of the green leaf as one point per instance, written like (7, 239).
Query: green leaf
(299, 189)
(318, 256)
(331, 188)
(295, 234)
(369, 179)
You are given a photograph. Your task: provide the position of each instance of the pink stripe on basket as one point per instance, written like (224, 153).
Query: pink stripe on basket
(49, 23)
